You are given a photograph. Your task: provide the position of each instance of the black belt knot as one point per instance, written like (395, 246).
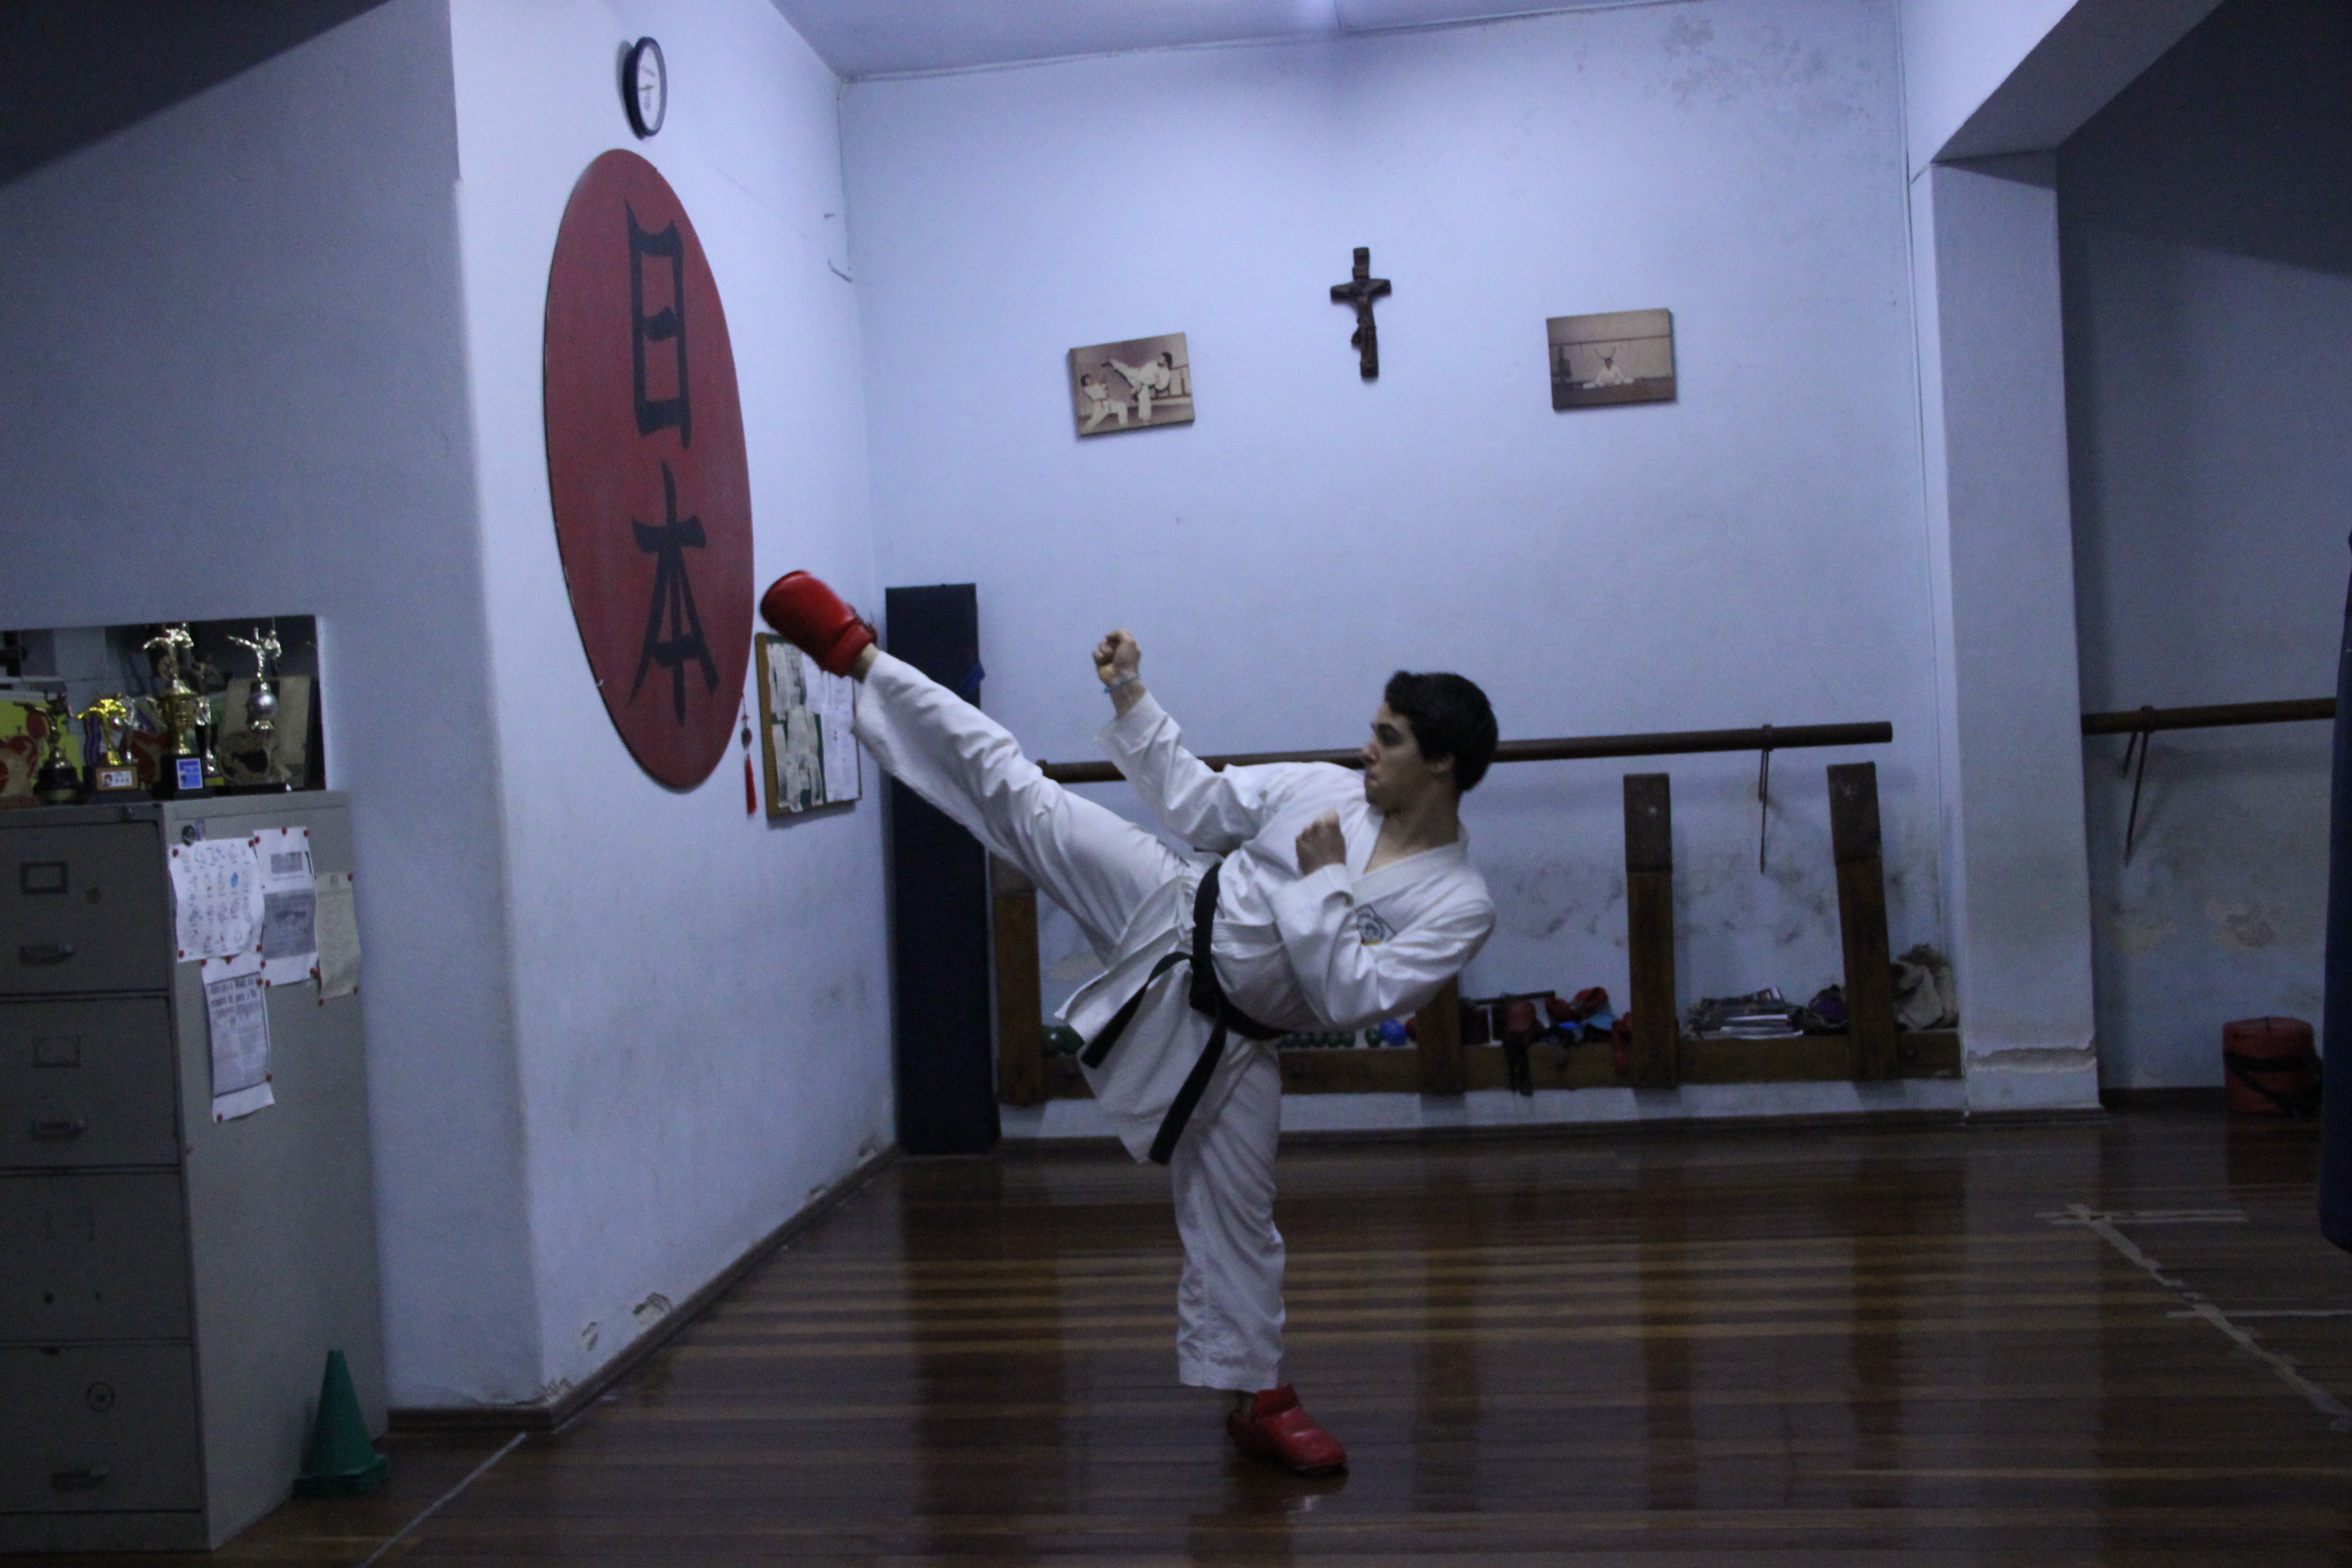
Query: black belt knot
(1208, 998)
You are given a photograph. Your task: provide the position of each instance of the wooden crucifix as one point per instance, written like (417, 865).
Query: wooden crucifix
(1360, 291)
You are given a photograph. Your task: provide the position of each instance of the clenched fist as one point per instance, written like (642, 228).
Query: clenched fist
(1321, 844)
(1117, 657)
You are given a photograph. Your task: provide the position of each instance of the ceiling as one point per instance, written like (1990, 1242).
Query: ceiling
(87, 68)
(880, 37)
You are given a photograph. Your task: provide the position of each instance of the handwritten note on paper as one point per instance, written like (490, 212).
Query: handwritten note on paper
(289, 903)
(338, 937)
(216, 898)
(236, 1016)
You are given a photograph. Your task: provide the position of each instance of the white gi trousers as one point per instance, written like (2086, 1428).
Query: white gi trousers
(1101, 867)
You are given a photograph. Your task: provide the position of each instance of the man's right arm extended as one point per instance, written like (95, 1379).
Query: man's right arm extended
(1207, 810)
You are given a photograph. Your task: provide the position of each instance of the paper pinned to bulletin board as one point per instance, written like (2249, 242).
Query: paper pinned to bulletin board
(338, 937)
(215, 898)
(806, 740)
(289, 905)
(236, 1016)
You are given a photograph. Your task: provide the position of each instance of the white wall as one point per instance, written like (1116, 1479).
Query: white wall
(700, 1001)
(234, 342)
(1986, 249)
(2207, 229)
(1990, 88)
(1754, 553)
(288, 335)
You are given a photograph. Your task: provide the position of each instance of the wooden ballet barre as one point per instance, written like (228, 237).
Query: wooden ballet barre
(2140, 723)
(2219, 715)
(1564, 749)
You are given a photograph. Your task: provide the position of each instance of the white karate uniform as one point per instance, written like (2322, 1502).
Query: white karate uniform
(1337, 949)
(1146, 379)
(1100, 406)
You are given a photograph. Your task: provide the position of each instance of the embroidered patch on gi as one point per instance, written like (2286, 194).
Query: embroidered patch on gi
(1371, 930)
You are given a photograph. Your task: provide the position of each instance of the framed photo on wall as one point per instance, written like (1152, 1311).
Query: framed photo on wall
(1124, 386)
(1615, 356)
(810, 755)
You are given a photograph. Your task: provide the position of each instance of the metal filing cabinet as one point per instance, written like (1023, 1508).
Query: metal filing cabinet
(169, 1285)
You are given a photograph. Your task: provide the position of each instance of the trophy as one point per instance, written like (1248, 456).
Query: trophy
(112, 774)
(58, 781)
(252, 752)
(215, 779)
(182, 711)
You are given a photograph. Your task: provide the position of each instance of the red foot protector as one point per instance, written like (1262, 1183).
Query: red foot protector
(812, 617)
(1276, 1428)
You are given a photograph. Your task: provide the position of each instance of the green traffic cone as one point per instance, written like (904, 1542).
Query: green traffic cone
(343, 1462)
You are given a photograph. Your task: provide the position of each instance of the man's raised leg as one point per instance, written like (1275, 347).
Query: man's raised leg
(1094, 863)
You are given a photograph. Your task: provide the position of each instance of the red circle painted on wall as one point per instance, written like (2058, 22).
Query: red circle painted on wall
(646, 465)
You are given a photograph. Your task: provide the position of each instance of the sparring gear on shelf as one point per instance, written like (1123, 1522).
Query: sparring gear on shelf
(1518, 1031)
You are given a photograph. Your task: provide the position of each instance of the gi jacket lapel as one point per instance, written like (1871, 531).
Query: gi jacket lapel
(1412, 873)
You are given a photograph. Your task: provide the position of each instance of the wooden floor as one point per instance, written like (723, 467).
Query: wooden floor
(2089, 1343)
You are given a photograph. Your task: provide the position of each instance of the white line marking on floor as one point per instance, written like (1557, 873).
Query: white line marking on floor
(472, 1476)
(2283, 1312)
(2073, 1214)
(2318, 1398)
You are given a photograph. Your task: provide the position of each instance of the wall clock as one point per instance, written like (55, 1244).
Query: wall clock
(645, 87)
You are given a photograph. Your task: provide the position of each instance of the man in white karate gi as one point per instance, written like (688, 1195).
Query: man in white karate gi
(1150, 380)
(1609, 374)
(1100, 404)
(1344, 900)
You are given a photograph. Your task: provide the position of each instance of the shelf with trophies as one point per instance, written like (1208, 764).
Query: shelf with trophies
(160, 711)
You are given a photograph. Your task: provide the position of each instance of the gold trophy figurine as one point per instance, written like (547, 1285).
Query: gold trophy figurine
(113, 773)
(182, 709)
(58, 781)
(252, 752)
(214, 778)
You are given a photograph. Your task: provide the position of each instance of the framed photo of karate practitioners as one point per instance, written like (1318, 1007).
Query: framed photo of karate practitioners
(1126, 386)
(1616, 356)
(810, 755)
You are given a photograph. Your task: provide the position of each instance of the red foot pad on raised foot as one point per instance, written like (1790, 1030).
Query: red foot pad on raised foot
(1276, 1428)
(812, 617)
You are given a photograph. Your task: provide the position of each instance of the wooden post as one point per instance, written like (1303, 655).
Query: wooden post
(1650, 931)
(1437, 1031)
(1020, 1010)
(1862, 918)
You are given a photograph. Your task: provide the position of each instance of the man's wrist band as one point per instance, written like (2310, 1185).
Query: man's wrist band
(1117, 686)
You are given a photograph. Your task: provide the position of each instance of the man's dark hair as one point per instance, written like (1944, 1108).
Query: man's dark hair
(1450, 718)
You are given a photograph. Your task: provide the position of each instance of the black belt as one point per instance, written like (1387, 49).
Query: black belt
(1208, 997)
